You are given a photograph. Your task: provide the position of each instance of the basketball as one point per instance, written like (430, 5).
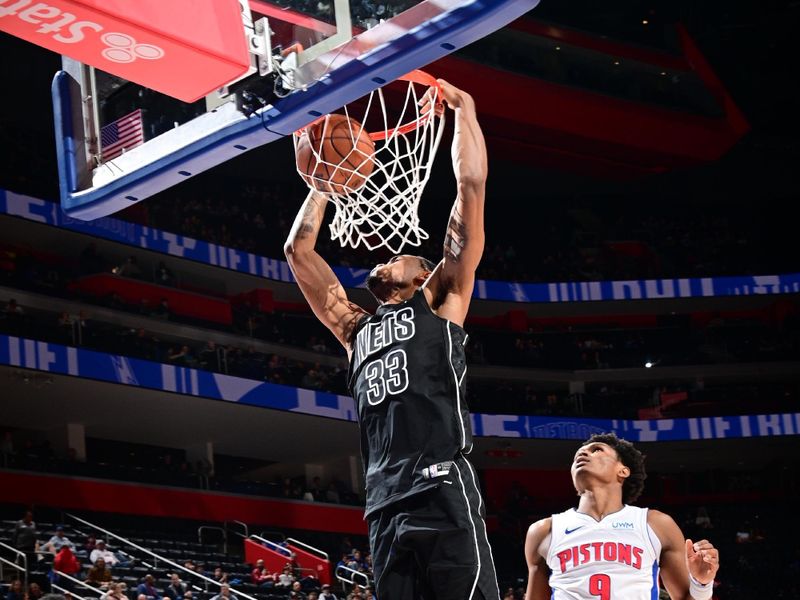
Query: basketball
(335, 155)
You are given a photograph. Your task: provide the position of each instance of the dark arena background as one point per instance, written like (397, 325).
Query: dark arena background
(165, 387)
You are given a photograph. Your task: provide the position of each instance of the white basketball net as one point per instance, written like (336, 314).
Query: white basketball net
(383, 211)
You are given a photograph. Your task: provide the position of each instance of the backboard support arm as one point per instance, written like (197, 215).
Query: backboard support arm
(335, 78)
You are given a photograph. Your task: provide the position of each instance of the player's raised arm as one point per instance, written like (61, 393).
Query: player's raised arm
(452, 282)
(316, 279)
(687, 568)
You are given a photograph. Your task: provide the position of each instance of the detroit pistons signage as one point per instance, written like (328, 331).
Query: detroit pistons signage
(183, 48)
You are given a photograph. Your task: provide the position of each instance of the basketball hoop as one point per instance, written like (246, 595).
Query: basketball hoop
(382, 211)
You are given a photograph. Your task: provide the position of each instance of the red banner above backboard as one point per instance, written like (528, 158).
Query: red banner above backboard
(183, 48)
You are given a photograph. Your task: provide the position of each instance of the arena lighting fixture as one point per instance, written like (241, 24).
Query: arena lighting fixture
(645, 22)
(648, 365)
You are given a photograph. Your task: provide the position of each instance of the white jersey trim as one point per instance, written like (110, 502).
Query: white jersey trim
(458, 387)
(485, 534)
(474, 532)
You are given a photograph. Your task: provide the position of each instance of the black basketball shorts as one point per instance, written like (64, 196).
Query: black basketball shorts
(433, 545)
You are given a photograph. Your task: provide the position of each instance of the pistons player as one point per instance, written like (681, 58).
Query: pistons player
(606, 549)
(407, 376)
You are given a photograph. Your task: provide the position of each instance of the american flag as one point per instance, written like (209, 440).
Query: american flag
(123, 134)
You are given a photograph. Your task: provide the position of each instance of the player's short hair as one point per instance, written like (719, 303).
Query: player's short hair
(426, 264)
(630, 457)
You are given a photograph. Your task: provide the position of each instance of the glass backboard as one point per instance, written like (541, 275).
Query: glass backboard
(308, 58)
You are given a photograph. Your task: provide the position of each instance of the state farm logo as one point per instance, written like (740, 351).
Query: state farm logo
(68, 28)
(122, 48)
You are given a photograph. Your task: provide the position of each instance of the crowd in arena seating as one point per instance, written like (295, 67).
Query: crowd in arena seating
(585, 241)
(564, 350)
(745, 513)
(165, 466)
(672, 340)
(70, 560)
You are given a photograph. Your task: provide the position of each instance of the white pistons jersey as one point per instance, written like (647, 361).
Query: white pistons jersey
(613, 559)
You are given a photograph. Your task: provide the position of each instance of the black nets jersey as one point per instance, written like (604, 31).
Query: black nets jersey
(407, 377)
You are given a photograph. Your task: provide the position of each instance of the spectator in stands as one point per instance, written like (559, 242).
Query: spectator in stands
(203, 470)
(162, 310)
(89, 545)
(16, 591)
(224, 593)
(65, 328)
(14, 309)
(14, 317)
(297, 591)
(316, 489)
(176, 588)
(357, 561)
(702, 520)
(314, 378)
(332, 494)
(65, 562)
(163, 275)
(147, 589)
(24, 537)
(130, 268)
(357, 593)
(35, 591)
(99, 575)
(101, 552)
(182, 357)
(116, 591)
(285, 579)
(345, 560)
(327, 594)
(296, 570)
(58, 541)
(261, 576)
(313, 595)
(219, 575)
(208, 357)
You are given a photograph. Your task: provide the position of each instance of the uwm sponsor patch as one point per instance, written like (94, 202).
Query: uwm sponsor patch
(146, 41)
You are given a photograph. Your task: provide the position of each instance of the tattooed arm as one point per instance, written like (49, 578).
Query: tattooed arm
(450, 288)
(316, 279)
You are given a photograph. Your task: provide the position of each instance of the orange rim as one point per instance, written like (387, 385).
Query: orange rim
(416, 76)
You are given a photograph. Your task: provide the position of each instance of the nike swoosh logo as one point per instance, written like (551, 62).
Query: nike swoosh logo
(568, 531)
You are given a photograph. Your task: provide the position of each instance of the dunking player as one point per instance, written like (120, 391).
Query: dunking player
(407, 372)
(607, 549)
